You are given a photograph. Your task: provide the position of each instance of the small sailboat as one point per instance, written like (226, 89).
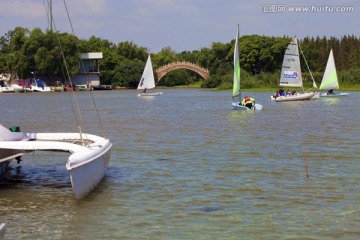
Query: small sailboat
(147, 80)
(291, 76)
(330, 79)
(236, 95)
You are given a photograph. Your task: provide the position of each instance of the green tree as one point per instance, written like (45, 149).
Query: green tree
(17, 61)
(129, 73)
(129, 50)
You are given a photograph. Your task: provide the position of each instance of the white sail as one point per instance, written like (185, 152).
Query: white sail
(291, 70)
(330, 80)
(147, 79)
(236, 84)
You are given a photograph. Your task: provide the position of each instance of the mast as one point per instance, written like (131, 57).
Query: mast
(50, 10)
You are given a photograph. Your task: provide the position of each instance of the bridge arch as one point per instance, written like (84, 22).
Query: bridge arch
(162, 71)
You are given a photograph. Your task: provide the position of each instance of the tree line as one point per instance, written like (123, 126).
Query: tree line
(23, 51)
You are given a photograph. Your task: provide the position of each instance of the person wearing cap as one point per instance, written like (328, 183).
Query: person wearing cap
(248, 102)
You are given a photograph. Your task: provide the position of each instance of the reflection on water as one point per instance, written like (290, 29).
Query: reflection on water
(184, 165)
(331, 100)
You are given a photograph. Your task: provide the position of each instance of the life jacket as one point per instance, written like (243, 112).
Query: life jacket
(247, 100)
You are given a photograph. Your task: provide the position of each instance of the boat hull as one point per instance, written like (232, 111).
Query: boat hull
(87, 170)
(89, 159)
(3, 166)
(150, 94)
(316, 96)
(334, 95)
(7, 90)
(39, 89)
(297, 97)
(238, 106)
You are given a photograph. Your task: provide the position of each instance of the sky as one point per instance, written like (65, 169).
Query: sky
(185, 25)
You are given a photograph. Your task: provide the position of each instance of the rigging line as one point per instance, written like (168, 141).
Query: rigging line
(78, 121)
(82, 64)
(69, 95)
(46, 10)
(307, 64)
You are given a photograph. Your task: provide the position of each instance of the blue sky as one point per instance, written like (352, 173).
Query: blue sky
(185, 25)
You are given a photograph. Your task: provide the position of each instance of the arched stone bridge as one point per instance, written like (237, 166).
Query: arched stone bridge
(162, 71)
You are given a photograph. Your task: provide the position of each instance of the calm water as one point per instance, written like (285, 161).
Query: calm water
(186, 166)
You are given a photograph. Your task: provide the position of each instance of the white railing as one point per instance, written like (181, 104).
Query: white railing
(182, 63)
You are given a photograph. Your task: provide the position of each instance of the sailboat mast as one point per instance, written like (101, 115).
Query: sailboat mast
(238, 46)
(48, 9)
(51, 17)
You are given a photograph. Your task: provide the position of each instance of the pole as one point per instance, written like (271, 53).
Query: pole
(306, 165)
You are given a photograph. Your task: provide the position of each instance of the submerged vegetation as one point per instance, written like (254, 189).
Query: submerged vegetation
(23, 51)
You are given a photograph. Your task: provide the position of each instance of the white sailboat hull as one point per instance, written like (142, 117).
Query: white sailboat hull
(150, 94)
(296, 97)
(7, 89)
(316, 96)
(40, 89)
(86, 164)
(334, 95)
(238, 106)
(18, 88)
(88, 169)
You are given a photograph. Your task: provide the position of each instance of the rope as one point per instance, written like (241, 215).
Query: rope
(78, 121)
(82, 64)
(302, 53)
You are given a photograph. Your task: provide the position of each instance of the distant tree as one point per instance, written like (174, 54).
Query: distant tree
(129, 73)
(165, 56)
(129, 50)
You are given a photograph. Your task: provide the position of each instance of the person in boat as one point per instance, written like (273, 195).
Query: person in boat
(248, 102)
(144, 91)
(276, 94)
(281, 92)
(330, 92)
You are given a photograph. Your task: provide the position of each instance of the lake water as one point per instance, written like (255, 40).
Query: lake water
(184, 165)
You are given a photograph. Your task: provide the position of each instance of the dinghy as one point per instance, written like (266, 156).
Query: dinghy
(291, 75)
(236, 95)
(147, 80)
(330, 80)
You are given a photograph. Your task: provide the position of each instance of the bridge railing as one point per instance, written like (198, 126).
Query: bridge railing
(182, 63)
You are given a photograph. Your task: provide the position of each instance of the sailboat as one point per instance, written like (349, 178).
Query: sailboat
(89, 154)
(236, 94)
(330, 79)
(291, 76)
(147, 80)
